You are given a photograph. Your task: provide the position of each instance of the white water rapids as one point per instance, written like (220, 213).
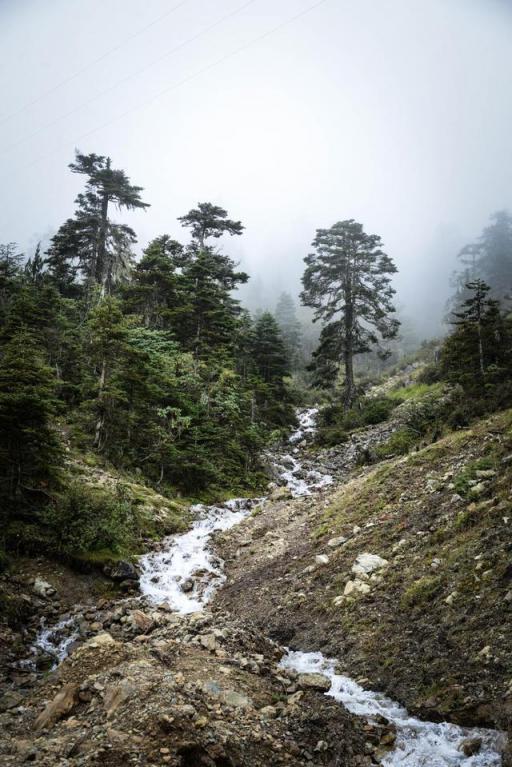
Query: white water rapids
(185, 573)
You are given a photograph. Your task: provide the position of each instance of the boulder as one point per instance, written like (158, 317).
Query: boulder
(122, 571)
(367, 563)
(356, 586)
(61, 705)
(314, 681)
(470, 746)
(339, 540)
(43, 589)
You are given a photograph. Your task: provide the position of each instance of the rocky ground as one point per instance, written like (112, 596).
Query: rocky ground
(400, 570)
(403, 574)
(150, 687)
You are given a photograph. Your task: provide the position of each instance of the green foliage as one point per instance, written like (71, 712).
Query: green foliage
(30, 451)
(86, 519)
(347, 281)
(420, 592)
(336, 423)
(468, 477)
(399, 443)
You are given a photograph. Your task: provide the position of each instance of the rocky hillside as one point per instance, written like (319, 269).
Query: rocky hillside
(403, 574)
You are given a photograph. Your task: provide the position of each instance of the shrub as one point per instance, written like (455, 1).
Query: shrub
(420, 591)
(87, 520)
(399, 443)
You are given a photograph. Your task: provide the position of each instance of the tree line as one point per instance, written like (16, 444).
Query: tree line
(152, 365)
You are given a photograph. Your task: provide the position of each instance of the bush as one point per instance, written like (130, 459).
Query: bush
(336, 423)
(87, 520)
(400, 443)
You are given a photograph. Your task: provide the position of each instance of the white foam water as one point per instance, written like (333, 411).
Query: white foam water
(186, 573)
(418, 743)
(54, 641)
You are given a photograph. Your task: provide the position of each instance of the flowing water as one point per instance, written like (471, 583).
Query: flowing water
(185, 573)
(418, 743)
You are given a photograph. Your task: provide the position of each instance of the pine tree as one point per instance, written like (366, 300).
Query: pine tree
(10, 273)
(477, 354)
(347, 283)
(30, 451)
(155, 289)
(91, 243)
(488, 259)
(290, 328)
(209, 220)
(269, 351)
(208, 278)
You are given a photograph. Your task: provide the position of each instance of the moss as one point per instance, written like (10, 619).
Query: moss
(420, 591)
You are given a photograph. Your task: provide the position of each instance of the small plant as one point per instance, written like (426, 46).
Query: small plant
(421, 591)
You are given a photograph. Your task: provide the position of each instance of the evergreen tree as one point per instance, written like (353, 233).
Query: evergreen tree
(209, 220)
(155, 289)
(30, 452)
(268, 350)
(10, 272)
(488, 259)
(208, 278)
(347, 283)
(290, 328)
(477, 355)
(91, 242)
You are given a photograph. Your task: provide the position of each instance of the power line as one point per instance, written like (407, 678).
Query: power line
(187, 79)
(90, 64)
(129, 77)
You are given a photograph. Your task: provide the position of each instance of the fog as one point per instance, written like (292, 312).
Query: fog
(291, 115)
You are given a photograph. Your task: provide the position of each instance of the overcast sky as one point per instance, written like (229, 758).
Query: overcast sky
(292, 114)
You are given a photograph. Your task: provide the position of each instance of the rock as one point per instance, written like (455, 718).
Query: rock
(122, 571)
(314, 681)
(485, 473)
(141, 621)
(116, 695)
(477, 489)
(61, 705)
(470, 746)
(187, 585)
(321, 559)
(43, 589)
(367, 563)
(280, 494)
(449, 599)
(100, 640)
(268, 712)
(208, 641)
(333, 543)
(356, 586)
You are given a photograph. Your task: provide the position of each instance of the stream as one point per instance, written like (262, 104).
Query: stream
(185, 572)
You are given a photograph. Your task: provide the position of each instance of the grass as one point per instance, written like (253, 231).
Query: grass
(415, 391)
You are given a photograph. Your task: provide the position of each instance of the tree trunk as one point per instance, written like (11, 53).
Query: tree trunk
(101, 418)
(349, 391)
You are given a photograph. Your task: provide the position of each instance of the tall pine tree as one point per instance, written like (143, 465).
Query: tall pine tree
(347, 281)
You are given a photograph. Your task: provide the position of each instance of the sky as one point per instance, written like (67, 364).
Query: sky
(291, 114)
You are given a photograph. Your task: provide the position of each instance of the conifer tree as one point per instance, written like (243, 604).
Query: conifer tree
(209, 220)
(478, 352)
(92, 242)
(347, 282)
(155, 289)
(30, 451)
(290, 328)
(268, 350)
(208, 278)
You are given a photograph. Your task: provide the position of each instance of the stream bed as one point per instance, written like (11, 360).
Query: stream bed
(185, 572)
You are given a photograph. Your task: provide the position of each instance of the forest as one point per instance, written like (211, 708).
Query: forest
(154, 367)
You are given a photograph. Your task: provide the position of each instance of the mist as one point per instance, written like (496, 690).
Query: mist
(291, 116)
